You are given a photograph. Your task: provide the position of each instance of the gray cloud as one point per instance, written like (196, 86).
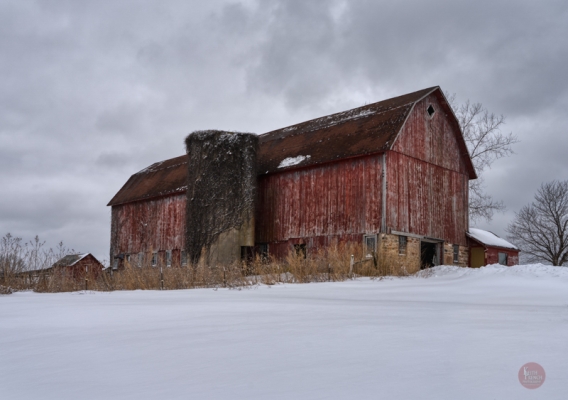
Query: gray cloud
(93, 92)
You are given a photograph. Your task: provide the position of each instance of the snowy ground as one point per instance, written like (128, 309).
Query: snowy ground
(457, 334)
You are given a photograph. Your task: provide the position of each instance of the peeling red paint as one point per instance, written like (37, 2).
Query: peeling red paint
(334, 201)
(151, 225)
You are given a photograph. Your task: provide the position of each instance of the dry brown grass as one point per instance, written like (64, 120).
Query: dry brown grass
(330, 264)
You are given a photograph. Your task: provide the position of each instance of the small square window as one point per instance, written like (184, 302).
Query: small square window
(456, 253)
(370, 242)
(115, 264)
(503, 258)
(402, 245)
(183, 257)
(168, 258)
(140, 259)
(154, 259)
(127, 258)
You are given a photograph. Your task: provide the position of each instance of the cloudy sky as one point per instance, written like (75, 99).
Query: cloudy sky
(91, 92)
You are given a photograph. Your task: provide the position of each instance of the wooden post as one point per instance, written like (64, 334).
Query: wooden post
(224, 278)
(351, 263)
(329, 272)
(86, 279)
(162, 278)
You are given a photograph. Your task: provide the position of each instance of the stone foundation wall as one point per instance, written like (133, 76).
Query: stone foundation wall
(409, 262)
(390, 256)
(463, 255)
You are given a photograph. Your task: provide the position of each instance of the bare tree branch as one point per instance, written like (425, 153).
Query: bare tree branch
(486, 144)
(540, 229)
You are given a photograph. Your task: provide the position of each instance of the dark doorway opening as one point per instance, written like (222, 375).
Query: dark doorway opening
(247, 254)
(428, 255)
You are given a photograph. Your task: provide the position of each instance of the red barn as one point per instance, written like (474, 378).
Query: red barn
(392, 175)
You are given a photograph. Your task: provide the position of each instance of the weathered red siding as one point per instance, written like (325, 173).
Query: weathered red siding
(316, 205)
(426, 199)
(151, 225)
(88, 264)
(433, 140)
(427, 179)
(492, 256)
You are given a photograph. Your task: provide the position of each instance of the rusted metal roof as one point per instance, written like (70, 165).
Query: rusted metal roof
(159, 179)
(364, 130)
(370, 129)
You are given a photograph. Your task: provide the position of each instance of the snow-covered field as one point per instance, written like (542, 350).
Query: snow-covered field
(456, 334)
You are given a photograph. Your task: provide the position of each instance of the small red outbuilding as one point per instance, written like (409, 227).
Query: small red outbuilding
(487, 248)
(77, 265)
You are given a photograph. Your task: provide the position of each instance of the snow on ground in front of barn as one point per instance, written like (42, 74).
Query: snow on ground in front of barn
(454, 334)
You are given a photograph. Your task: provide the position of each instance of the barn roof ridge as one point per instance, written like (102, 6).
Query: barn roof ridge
(157, 166)
(372, 108)
(369, 129)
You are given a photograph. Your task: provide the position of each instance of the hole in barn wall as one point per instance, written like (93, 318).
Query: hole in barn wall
(262, 251)
(301, 250)
(431, 110)
(247, 254)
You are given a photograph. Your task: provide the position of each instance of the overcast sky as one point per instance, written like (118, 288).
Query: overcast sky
(92, 92)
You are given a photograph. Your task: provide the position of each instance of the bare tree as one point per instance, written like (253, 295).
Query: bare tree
(11, 257)
(540, 229)
(486, 144)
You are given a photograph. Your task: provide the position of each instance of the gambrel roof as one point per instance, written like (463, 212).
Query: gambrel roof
(370, 129)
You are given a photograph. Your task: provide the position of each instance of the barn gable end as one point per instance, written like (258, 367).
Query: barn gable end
(428, 172)
(435, 139)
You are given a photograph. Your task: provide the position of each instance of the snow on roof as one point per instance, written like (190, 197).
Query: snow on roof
(290, 161)
(70, 260)
(489, 239)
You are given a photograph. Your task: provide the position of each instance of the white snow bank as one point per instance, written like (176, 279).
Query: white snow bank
(460, 334)
(490, 239)
(290, 161)
(493, 270)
